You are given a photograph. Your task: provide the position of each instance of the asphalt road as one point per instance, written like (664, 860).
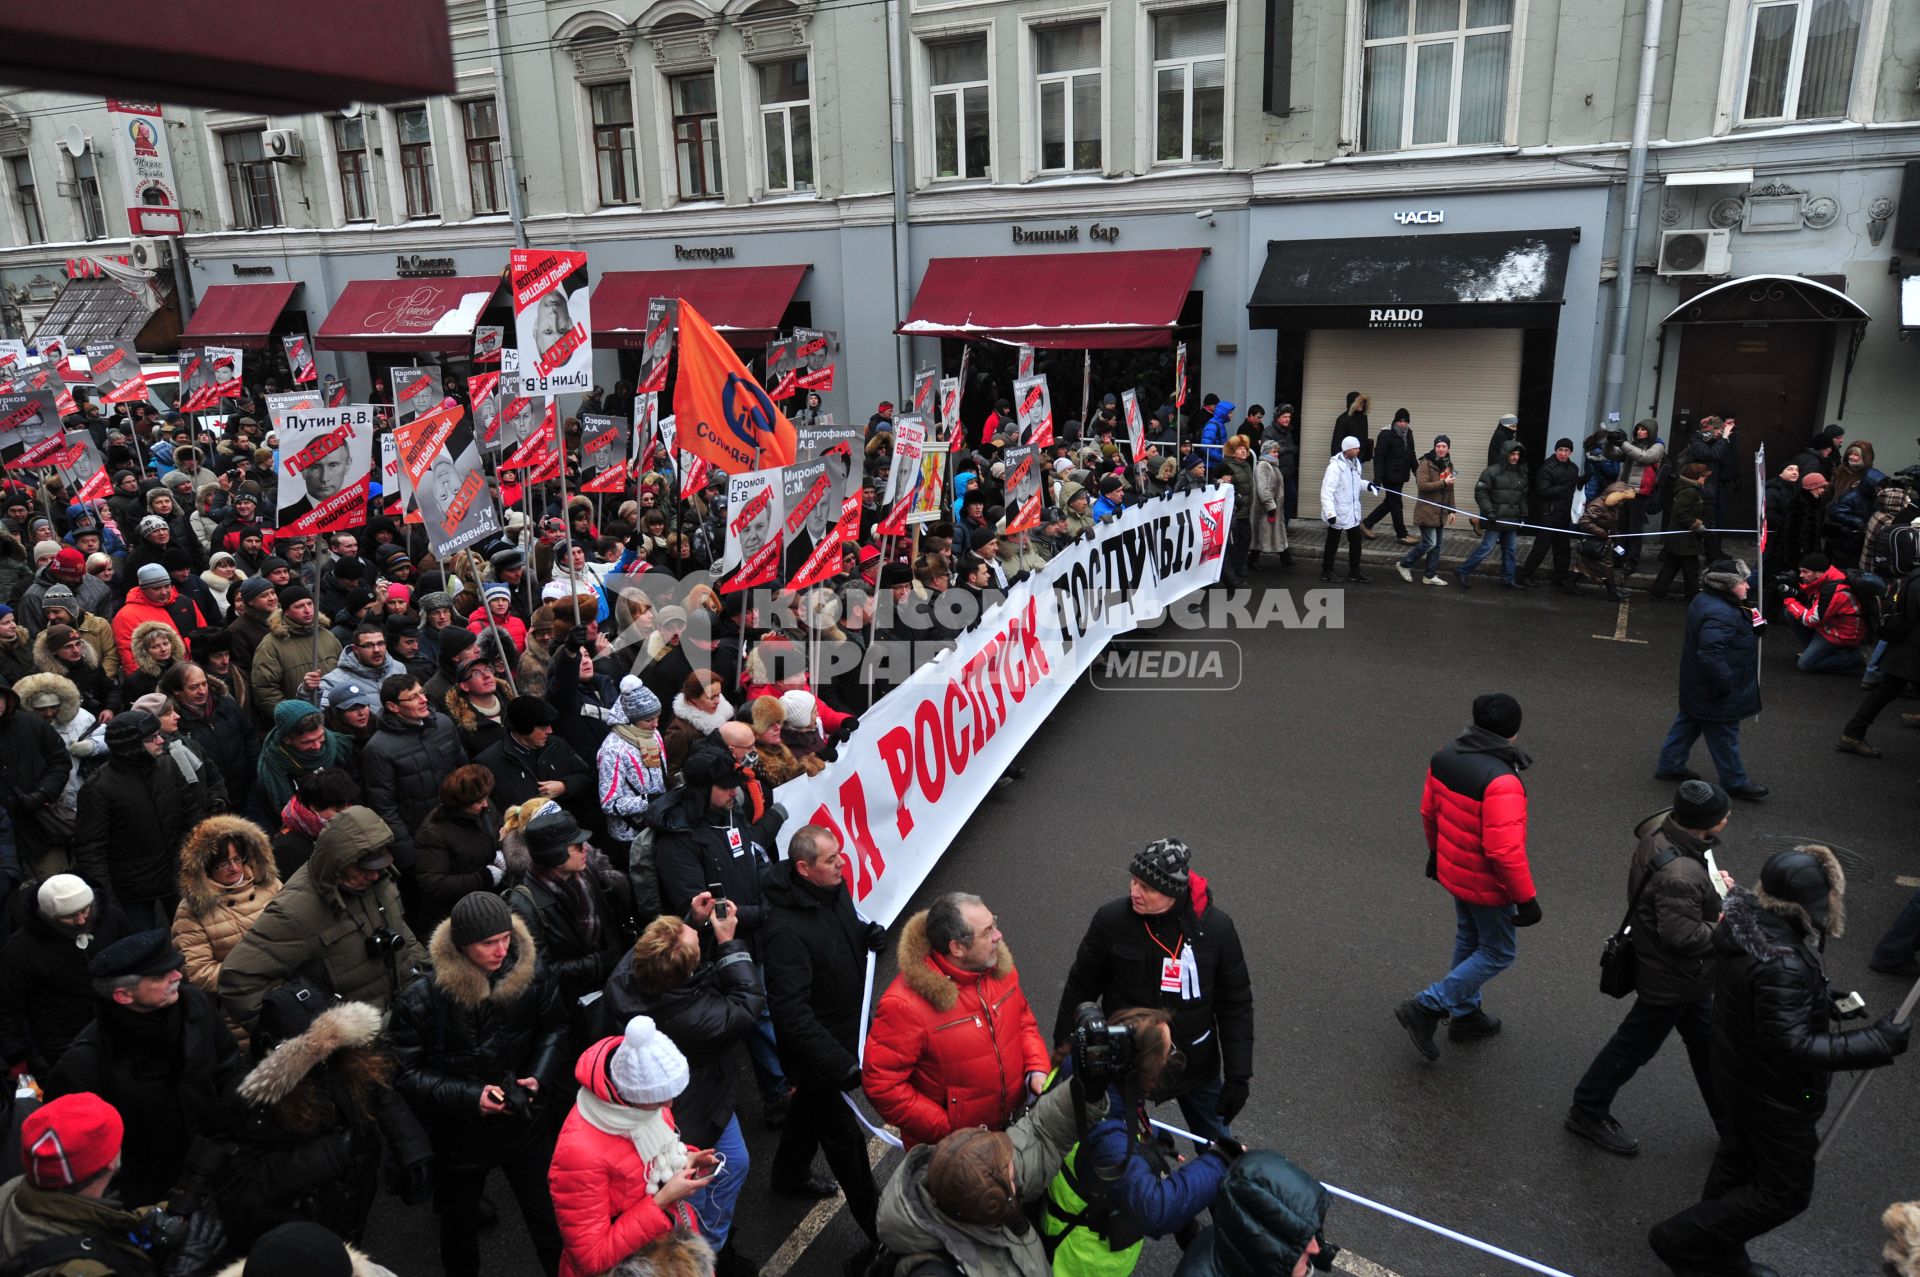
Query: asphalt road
(1299, 792)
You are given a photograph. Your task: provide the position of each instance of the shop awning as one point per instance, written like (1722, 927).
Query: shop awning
(427, 315)
(102, 310)
(1763, 299)
(1073, 301)
(237, 315)
(1482, 279)
(743, 302)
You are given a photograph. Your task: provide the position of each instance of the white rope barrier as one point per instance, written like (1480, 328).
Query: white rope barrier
(1506, 524)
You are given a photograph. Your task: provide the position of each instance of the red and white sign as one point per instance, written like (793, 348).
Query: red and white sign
(145, 163)
(552, 321)
(300, 359)
(1136, 427)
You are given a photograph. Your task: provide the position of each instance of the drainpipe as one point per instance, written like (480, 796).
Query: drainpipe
(1628, 250)
(902, 256)
(508, 162)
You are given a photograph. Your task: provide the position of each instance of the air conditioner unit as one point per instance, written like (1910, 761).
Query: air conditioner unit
(148, 254)
(1696, 252)
(283, 144)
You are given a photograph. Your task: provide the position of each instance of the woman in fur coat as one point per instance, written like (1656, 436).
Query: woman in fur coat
(699, 707)
(226, 879)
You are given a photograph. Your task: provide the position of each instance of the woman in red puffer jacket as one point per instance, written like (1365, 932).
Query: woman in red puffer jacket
(620, 1176)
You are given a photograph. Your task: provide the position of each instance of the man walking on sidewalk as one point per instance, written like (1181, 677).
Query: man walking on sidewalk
(1474, 808)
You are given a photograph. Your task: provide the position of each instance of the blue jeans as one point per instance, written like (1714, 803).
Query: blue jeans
(1723, 744)
(1817, 656)
(1873, 662)
(1197, 1107)
(1902, 940)
(1484, 945)
(714, 1204)
(765, 1054)
(1509, 546)
(1429, 546)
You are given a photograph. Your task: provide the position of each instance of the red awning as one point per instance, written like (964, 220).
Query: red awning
(433, 315)
(1073, 301)
(744, 302)
(237, 315)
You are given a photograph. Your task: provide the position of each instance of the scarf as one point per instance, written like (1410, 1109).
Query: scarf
(298, 818)
(704, 722)
(653, 1140)
(644, 739)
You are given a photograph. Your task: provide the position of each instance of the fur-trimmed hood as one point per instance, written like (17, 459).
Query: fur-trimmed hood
(351, 1024)
(199, 894)
(363, 1266)
(467, 984)
(700, 720)
(60, 685)
(1902, 1253)
(138, 645)
(1836, 896)
(45, 660)
(676, 1254)
(278, 623)
(1744, 927)
(466, 717)
(922, 975)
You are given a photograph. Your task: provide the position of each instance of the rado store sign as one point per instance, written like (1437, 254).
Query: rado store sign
(1396, 317)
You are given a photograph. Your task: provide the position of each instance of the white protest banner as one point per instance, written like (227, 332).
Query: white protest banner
(487, 342)
(1033, 407)
(145, 164)
(928, 752)
(1136, 428)
(552, 320)
(13, 353)
(80, 465)
(30, 432)
(115, 370)
(483, 393)
(227, 364)
(603, 452)
(813, 353)
(326, 463)
(839, 446)
(440, 472)
(1180, 375)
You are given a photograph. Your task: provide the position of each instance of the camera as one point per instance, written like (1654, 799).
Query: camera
(384, 943)
(165, 1227)
(1102, 1052)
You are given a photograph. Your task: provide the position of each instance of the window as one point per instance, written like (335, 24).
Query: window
(786, 125)
(27, 196)
(696, 136)
(612, 106)
(86, 198)
(486, 164)
(256, 202)
(1434, 73)
(350, 153)
(1068, 62)
(416, 159)
(957, 70)
(1190, 85)
(1800, 59)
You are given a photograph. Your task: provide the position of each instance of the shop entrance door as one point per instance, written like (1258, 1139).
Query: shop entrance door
(1769, 377)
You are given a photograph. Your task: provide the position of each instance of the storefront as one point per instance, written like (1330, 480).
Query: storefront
(400, 322)
(1458, 326)
(251, 317)
(747, 305)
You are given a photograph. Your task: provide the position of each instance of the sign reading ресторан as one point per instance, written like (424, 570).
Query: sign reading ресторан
(702, 252)
(1096, 232)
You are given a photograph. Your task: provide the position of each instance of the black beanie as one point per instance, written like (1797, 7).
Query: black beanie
(1700, 804)
(1440, 439)
(478, 915)
(298, 1250)
(1400, 415)
(1816, 562)
(1162, 865)
(1498, 713)
(1562, 443)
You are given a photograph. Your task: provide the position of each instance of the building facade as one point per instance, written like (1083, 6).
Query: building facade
(1418, 199)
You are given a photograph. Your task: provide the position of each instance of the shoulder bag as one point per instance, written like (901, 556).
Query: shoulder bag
(1617, 975)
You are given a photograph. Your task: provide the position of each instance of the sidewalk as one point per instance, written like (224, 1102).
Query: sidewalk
(1308, 541)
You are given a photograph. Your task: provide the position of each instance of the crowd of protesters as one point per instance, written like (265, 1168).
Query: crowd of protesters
(334, 867)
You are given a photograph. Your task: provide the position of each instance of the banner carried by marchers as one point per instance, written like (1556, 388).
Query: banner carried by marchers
(656, 345)
(1033, 408)
(928, 753)
(326, 464)
(1136, 428)
(115, 369)
(300, 360)
(487, 342)
(783, 378)
(541, 445)
(603, 453)
(755, 517)
(1022, 486)
(810, 550)
(440, 471)
(483, 393)
(813, 359)
(949, 407)
(924, 382)
(80, 465)
(725, 415)
(552, 318)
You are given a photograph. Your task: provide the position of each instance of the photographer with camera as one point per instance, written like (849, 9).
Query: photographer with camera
(57, 1220)
(338, 920)
(479, 1045)
(1123, 1182)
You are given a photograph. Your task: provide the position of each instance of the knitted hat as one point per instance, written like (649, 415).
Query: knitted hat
(64, 895)
(154, 703)
(1723, 574)
(767, 711)
(1349, 443)
(647, 1068)
(1440, 439)
(253, 587)
(127, 733)
(1700, 804)
(69, 1140)
(152, 574)
(1498, 713)
(1162, 865)
(637, 700)
(524, 713)
(712, 767)
(479, 915)
(1400, 415)
(439, 598)
(496, 590)
(967, 1178)
(799, 707)
(58, 636)
(298, 1249)
(59, 596)
(551, 834)
(1815, 562)
(349, 569)
(152, 523)
(69, 563)
(1508, 420)
(1562, 443)
(44, 550)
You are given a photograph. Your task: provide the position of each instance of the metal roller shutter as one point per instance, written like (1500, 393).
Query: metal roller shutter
(1456, 382)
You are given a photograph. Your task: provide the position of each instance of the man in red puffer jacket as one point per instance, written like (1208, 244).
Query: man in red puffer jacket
(954, 1043)
(1474, 808)
(1826, 617)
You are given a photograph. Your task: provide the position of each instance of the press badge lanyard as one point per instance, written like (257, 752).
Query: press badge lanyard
(1179, 973)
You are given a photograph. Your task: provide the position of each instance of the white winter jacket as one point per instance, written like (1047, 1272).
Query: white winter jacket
(1340, 492)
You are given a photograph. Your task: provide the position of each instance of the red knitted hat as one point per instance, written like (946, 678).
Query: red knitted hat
(69, 1140)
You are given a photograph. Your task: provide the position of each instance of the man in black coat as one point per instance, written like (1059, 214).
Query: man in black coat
(1774, 1051)
(1165, 944)
(1673, 906)
(159, 1052)
(530, 761)
(34, 767)
(816, 950)
(1554, 484)
(1393, 461)
(1719, 681)
(415, 748)
(46, 995)
(133, 815)
(214, 721)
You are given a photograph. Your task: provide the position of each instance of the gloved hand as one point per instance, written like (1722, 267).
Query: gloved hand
(415, 1186)
(847, 728)
(1893, 1034)
(1229, 1149)
(1233, 1098)
(1332, 522)
(1433, 865)
(876, 937)
(1528, 913)
(851, 1082)
(200, 1253)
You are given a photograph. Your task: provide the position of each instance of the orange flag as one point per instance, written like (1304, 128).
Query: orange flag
(725, 417)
